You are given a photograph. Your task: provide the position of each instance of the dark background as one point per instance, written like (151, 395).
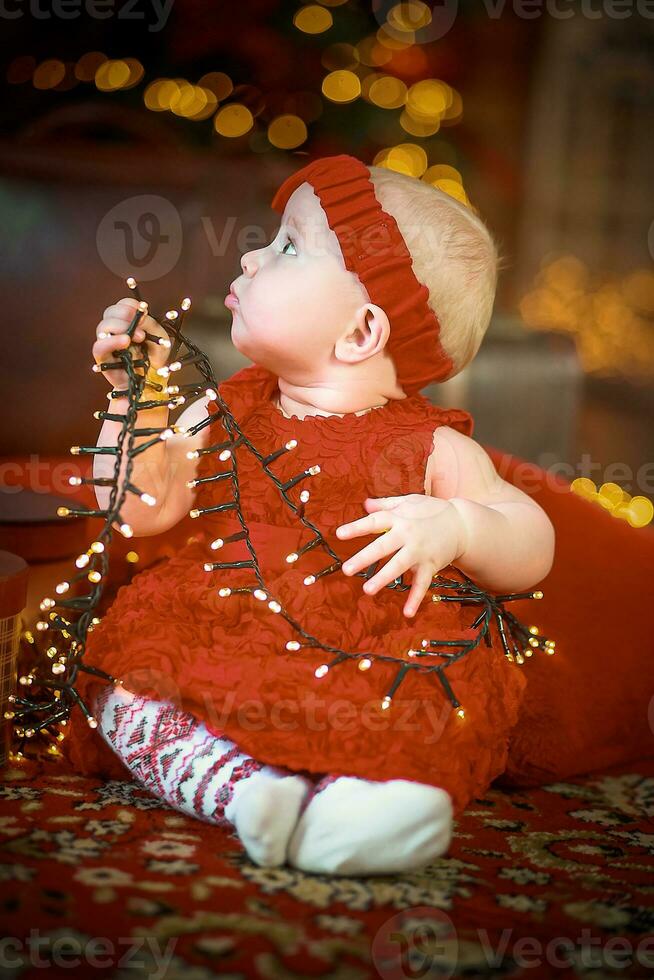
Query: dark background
(553, 146)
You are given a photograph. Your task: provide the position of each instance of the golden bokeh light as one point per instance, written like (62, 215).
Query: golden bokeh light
(217, 82)
(387, 92)
(341, 86)
(111, 75)
(608, 317)
(453, 188)
(405, 158)
(454, 112)
(428, 99)
(419, 129)
(132, 557)
(233, 120)
(287, 131)
(88, 64)
(442, 171)
(637, 511)
(313, 19)
(49, 73)
(159, 94)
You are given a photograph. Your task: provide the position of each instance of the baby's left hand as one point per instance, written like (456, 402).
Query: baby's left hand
(428, 531)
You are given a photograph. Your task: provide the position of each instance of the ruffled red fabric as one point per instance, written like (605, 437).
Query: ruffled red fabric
(373, 248)
(169, 634)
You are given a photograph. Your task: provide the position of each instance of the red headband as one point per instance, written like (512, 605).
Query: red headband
(373, 247)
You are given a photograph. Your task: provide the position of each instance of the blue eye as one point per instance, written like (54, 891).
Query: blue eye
(289, 241)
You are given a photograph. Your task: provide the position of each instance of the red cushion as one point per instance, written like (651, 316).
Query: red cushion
(590, 705)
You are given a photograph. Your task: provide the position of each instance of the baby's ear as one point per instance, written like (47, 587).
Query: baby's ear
(377, 325)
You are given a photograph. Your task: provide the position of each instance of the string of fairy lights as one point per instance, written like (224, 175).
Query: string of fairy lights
(60, 642)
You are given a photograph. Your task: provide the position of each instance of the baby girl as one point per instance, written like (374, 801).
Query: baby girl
(374, 285)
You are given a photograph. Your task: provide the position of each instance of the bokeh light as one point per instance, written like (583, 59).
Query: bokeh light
(387, 92)
(405, 158)
(21, 69)
(371, 53)
(88, 64)
(313, 19)
(233, 120)
(219, 83)
(341, 86)
(119, 73)
(48, 74)
(287, 131)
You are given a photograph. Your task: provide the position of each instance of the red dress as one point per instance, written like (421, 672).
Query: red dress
(169, 634)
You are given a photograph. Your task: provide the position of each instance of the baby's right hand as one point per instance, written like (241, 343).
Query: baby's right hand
(111, 335)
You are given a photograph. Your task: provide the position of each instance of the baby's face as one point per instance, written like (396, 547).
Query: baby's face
(296, 296)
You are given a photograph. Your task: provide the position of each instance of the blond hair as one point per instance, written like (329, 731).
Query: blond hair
(453, 254)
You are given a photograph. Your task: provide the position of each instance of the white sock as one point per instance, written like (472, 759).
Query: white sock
(356, 826)
(174, 756)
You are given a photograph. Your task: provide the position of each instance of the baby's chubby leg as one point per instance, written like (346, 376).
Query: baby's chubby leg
(358, 827)
(196, 772)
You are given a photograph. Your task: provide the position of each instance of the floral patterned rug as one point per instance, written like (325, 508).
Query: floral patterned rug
(100, 879)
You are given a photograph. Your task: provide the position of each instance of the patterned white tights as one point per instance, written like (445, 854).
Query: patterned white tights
(333, 824)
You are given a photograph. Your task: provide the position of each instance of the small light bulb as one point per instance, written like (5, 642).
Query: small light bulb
(126, 530)
(94, 576)
(58, 668)
(166, 434)
(310, 579)
(92, 722)
(304, 496)
(225, 454)
(292, 557)
(314, 469)
(218, 543)
(321, 671)
(274, 606)
(75, 481)
(82, 561)
(192, 454)
(97, 547)
(63, 511)
(75, 450)
(194, 513)
(386, 703)
(292, 645)
(186, 303)
(224, 592)
(291, 444)
(461, 712)
(365, 664)
(537, 595)
(62, 587)
(260, 594)
(148, 499)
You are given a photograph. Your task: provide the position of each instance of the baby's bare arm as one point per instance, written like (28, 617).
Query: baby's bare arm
(510, 540)
(162, 471)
